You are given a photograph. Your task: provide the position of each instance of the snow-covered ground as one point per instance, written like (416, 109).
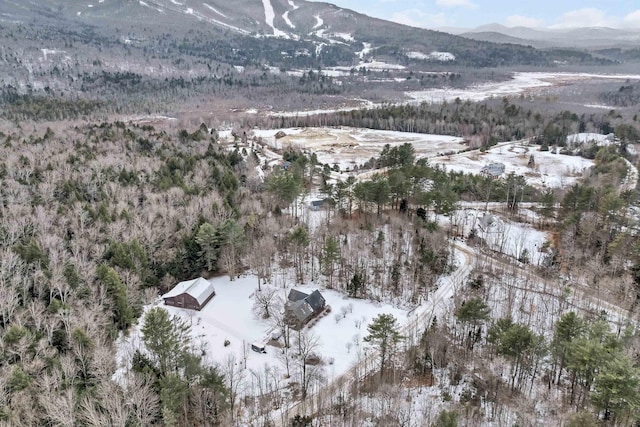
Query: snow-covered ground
(373, 65)
(366, 50)
(213, 9)
(285, 16)
(350, 147)
(435, 56)
(549, 170)
(630, 181)
(501, 235)
(590, 138)
(229, 316)
(521, 83)
(270, 16)
(319, 22)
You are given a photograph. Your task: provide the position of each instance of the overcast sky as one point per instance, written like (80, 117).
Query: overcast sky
(529, 13)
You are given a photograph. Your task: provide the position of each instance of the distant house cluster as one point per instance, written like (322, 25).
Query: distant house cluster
(192, 294)
(493, 170)
(301, 307)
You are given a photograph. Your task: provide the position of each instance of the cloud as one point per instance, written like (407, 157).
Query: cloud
(522, 21)
(632, 20)
(456, 3)
(417, 18)
(587, 17)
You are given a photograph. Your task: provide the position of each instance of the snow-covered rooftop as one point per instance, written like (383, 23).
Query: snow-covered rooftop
(199, 288)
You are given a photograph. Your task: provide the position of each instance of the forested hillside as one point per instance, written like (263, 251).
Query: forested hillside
(391, 226)
(99, 219)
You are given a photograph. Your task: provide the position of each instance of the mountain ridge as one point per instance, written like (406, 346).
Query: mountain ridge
(582, 38)
(322, 24)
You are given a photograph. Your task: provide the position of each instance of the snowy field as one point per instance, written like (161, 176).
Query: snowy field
(550, 170)
(501, 235)
(351, 147)
(589, 138)
(521, 83)
(229, 316)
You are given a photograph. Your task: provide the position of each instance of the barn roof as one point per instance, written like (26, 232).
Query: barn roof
(199, 288)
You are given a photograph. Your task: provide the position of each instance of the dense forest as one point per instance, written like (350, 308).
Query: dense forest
(99, 219)
(131, 160)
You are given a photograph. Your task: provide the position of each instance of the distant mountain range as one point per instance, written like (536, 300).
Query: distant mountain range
(581, 38)
(151, 52)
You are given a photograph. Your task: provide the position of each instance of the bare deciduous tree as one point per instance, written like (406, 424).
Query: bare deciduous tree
(264, 301)
(306, 345)
(234, 375)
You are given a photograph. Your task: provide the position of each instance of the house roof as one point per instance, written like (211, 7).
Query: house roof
(315, 300)
(199, 288)
(495, 169)
(295, 295)
(302, 310)
(302, 305)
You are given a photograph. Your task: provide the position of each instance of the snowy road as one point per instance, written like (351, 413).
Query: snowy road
(631, 179)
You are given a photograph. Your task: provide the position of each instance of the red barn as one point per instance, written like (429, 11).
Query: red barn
(193, 294)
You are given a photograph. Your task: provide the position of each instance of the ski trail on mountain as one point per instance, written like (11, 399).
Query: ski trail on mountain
(285, 16)
(319, 22)
(269, 16)
(213, 9)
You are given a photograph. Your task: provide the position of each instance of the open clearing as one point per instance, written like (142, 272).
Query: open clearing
(229, 316)
(351, 147)
(549, 169)
(521, 83)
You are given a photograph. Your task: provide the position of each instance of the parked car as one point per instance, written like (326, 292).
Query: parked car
(258, 348)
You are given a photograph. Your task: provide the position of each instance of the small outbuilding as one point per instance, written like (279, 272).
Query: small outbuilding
(192, 294)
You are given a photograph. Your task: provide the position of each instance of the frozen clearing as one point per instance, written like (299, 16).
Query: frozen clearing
(377, 65)
(305, 113)
(520, 83)
(351, 147)
(587, 138)
(229, 316)
(435, 55)
(344, 36)
(47, 52)
(501, 235)
(550, 170)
